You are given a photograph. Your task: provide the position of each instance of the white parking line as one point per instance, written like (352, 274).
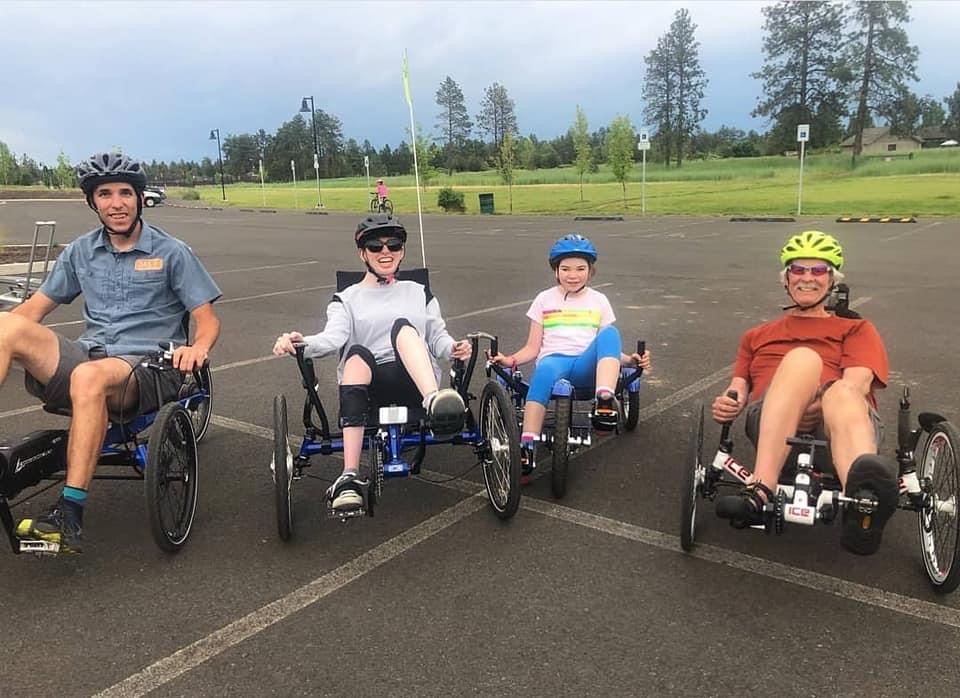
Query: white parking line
(267, 266)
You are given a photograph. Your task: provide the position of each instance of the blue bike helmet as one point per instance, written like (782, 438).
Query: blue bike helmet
(572, 245)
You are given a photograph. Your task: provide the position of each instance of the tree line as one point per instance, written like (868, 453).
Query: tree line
(839, 67)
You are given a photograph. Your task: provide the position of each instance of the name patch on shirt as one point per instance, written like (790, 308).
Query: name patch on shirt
(153, 264)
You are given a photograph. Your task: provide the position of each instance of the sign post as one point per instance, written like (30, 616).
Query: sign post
(316, 169)
(366, 166)
(803, 135)
(263, 192)
(296, 196)
(643, 145)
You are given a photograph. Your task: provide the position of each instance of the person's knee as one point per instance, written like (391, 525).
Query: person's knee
(88, 383)
(844, 396)
(12, 327)
(401, 325)
(610, 332)
(354, 405)
(802, 357)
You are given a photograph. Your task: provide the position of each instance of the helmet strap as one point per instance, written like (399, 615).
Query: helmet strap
(824, 297)
(566, 295)
(381, 279)
(111, 231)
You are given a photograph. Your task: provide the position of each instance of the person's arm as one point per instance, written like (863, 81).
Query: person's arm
(528, 352)
(334, 335)
(36, 307)
(192, 356)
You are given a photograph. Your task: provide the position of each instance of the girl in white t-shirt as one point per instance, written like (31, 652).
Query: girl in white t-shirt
(572, 336)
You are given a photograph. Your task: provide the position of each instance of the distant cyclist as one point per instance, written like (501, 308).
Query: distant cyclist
(382, 193)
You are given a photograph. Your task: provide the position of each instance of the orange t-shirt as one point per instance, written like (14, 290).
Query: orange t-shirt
(841, 343)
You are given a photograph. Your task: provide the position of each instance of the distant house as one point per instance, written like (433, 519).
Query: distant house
(879, 141)
(933, 136)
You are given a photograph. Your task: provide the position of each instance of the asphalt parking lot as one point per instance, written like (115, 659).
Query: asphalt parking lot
(435, 596)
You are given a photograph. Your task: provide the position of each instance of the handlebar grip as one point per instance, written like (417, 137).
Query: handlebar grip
(641, 347)
(732, 394)
(494, 346)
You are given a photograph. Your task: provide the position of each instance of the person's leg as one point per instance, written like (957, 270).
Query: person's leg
(412, 352)
(548, 371)
(358, 372)
(599, 366)
(30, 344)
(794, 386)
(852, 430)
(445, 408)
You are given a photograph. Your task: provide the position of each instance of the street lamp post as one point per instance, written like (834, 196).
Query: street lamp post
(316, 142)
(215, 136)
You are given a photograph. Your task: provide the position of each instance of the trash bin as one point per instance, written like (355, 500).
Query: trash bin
(486, 203)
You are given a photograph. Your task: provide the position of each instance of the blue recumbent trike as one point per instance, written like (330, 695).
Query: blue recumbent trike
(567, 425)
(396, 440)
(160, 447)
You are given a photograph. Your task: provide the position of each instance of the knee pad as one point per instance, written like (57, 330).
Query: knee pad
(398, 325)
(354, 405)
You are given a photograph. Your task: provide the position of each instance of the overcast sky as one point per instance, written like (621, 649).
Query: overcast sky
(154, 78)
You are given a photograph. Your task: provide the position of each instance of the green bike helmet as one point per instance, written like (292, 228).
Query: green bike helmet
(812, 244)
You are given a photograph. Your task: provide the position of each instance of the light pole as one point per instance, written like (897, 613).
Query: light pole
(316, 143)
(215, 136)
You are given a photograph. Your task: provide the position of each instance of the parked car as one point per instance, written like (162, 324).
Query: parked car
(153, 196)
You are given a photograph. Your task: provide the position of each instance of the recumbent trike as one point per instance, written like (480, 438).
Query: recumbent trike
(929, 482)
(160, 447)
(567, 426)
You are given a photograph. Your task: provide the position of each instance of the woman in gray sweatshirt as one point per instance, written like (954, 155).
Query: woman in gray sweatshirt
(389, 333)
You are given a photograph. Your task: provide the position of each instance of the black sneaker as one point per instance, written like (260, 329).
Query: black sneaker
(606, 413)
(60, 525)
(346, 493)
(527, 465)
(871, 477)
(445, 411)
(746, 507)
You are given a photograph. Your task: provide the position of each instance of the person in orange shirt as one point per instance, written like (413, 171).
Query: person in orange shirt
(812, 371)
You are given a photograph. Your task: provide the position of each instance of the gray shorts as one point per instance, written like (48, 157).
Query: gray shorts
(823, 459)
(56, 393)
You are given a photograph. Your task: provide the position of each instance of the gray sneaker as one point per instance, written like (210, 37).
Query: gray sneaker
(445, 411)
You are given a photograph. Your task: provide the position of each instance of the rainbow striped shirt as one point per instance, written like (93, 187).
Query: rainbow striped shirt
(569, 324)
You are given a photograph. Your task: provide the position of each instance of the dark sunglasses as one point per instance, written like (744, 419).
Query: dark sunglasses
(394, 245)
(816, 269)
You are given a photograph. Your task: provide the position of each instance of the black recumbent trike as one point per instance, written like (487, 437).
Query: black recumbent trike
(567, 426)
(929, 483)
(160, 447)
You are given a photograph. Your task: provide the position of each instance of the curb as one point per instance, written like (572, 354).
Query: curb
(598, 218)
(316, 213)
(21, 267)
(763, 219)
(870, 219)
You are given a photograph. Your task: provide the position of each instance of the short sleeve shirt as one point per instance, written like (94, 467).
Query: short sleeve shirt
(570, 323)
(841, 343)
(133, 300)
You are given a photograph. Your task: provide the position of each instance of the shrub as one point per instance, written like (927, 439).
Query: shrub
(191, 195)
(450, 200)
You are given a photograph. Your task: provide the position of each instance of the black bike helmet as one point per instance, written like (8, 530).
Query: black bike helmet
(104, 168)
(378, 225)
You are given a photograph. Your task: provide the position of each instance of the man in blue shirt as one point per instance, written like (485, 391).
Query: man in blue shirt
(139, 284)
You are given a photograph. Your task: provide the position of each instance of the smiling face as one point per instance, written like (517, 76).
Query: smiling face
(377, 253)
(808, 280)
(116, 204)
(573, 273)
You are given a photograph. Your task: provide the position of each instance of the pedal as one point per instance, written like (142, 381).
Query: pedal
(345, 514)
(39, 547)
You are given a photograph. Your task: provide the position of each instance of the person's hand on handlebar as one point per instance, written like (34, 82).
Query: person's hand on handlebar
(285, 343)
(726, 409)
(462, 349)
(641, 360)
(187, 358)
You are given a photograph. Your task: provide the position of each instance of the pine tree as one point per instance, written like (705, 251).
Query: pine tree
(453, 121)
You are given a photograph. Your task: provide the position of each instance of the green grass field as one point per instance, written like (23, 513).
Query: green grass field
(927, 184)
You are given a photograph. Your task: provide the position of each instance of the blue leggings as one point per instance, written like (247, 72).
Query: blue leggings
(579, 370)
